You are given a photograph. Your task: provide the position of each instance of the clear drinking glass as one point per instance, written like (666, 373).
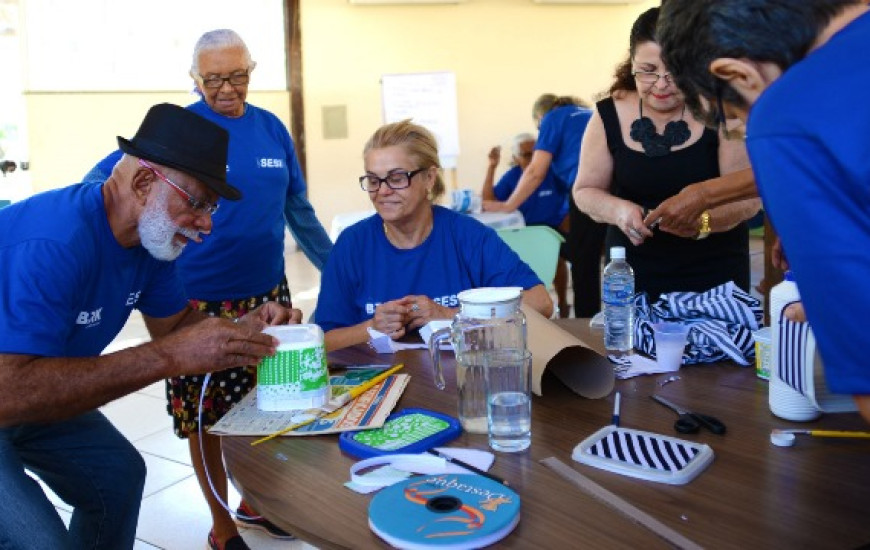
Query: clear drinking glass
(508, 376)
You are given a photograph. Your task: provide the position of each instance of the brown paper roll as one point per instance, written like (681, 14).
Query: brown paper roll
(566, 356)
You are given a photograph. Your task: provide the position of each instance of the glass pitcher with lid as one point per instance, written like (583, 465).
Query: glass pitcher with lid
(488, 319)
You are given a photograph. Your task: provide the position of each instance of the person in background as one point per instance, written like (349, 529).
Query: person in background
(561, 122)
(404, 266)
(78, 260)
(242, 264)
(809, 156)
(548, 205)
(639, 149)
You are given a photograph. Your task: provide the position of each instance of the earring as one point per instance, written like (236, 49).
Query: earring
(430, 196)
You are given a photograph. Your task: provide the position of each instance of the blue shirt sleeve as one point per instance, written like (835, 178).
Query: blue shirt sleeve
(338, 284)
(103, 169)
(306, 229)
(507, 183)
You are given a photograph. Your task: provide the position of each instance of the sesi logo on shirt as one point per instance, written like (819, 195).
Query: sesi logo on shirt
(447, 301)
(271, 163)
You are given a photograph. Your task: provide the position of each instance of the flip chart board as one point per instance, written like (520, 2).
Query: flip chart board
(429, 99)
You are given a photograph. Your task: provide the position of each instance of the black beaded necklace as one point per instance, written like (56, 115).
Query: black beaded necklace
(658, 145)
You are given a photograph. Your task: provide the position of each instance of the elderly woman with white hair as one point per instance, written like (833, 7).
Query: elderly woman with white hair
(548, 205)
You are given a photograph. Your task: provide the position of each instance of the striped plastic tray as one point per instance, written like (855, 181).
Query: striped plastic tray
(644, 455)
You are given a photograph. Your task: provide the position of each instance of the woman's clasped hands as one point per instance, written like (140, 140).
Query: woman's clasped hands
(397, 318)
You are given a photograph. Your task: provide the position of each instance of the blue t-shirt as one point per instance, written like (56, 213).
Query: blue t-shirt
(262, 164)
(548, 205)
(560, 135)
(68, 287)
(811, 159)
(365, 269)
(250, 232)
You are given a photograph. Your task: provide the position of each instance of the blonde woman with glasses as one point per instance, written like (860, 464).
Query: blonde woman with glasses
(404, 266)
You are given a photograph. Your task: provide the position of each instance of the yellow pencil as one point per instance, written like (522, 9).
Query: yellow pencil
(827, 433)
(334, 404)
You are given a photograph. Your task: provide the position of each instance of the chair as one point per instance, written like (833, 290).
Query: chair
(538, 246)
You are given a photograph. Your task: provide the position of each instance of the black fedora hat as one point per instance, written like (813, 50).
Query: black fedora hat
(173, 136)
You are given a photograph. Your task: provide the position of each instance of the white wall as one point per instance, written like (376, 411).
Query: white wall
(504, 54)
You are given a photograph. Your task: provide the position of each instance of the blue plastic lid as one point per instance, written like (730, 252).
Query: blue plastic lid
(406, 431)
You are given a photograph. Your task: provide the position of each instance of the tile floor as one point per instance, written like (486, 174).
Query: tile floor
(173, 514)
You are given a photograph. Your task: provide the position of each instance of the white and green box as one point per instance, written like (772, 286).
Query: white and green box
(296, 377)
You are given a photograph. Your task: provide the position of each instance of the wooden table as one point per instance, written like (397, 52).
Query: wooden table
(753, 495)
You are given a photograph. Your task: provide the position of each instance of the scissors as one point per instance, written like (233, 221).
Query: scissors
(690, 422)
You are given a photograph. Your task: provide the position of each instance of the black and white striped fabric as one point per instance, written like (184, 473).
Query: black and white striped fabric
(645, 450)
(722, 320)
(791, 358)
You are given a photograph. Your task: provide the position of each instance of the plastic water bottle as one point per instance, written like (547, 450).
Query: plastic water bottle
(617, 291)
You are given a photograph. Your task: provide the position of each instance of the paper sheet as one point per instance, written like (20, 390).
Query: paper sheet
(390, 473)
(369, 410)
(578, 367)
(382, 343)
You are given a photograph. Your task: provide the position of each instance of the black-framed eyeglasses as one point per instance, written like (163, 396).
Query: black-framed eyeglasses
(394, 180)
(216, 81)
(200, 207)
(650, 77)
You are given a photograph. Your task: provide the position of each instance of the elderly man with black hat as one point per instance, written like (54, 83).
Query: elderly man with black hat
(76, 261)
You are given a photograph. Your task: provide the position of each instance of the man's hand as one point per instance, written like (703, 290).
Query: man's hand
(271, 314)
(494, 156)
(795, 312)
(214, 344)
(680, 214)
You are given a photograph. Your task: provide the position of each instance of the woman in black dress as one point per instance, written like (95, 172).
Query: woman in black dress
(641, 147)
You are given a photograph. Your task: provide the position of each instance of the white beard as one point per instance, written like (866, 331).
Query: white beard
(157, 231)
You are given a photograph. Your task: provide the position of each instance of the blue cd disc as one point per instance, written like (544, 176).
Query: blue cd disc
(444, 511)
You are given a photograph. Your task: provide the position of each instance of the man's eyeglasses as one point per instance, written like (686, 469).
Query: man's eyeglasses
(394, 180)
(649, 77)
(200, 207)
(216, 81)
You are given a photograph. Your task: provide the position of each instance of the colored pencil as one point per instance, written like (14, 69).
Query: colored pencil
(827, 433)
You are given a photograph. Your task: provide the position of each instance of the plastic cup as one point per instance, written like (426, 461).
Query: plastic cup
(296, 376)
(762, 352)
(670, 339)
(508, 376)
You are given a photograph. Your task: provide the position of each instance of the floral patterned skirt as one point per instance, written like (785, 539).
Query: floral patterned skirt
(225, 388)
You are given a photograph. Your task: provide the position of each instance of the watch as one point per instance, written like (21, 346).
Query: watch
(704, 230)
